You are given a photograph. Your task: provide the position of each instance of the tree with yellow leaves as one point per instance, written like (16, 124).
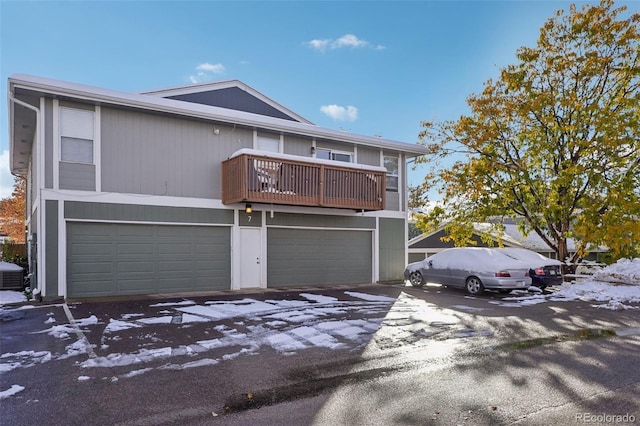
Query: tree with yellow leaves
(554, 141)
(12, 212)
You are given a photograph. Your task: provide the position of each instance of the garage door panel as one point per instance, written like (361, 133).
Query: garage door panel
(136, 285)
(299, 257)
(136, 231)
(135, 267)
(91, 249)
(135, 248)
(168, 248)
(112, 259)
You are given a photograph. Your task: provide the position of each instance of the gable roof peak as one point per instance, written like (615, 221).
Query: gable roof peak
(178, 92)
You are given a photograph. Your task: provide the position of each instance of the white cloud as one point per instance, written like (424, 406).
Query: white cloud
(320, 45)
(346, 41)
(206, 71)
(337, 112)
(6, 178)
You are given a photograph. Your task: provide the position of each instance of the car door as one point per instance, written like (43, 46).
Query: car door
(435, 270)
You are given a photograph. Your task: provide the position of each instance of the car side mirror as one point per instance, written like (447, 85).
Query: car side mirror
(430, 263)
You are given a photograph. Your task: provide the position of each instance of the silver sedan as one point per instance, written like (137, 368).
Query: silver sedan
(473, 268)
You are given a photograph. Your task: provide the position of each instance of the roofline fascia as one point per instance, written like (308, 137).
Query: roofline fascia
(61, 88)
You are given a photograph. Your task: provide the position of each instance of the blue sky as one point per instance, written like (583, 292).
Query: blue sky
(372, 68)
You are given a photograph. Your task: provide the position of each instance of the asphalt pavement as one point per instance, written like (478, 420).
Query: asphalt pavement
(373, 354)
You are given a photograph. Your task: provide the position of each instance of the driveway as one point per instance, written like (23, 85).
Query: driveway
(216, 358)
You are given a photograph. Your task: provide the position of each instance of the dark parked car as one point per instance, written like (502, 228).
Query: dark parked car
(473, 268)
(544, 271)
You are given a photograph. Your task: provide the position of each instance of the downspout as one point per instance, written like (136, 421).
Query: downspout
(40, 241)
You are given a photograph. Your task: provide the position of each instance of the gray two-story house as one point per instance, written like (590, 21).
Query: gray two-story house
(205, 187)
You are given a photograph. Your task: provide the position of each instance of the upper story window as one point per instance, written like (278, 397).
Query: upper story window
(391, 164)
(76, 136)
(328, 154)
(270, 143)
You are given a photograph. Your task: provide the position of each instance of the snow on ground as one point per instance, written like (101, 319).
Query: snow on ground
(615, 287)
(9, 296)
(286, 326)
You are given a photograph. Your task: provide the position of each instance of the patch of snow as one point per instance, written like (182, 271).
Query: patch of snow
(156, 320)
(137, 372)
(59, 331)
(130, 316)
(183, 303)
(10, 296)
(624, 271)
(319, 298)
(117, 325)
(92, 320)
(370, 297)
(200, 363)
(83, 378)
(14, 389)
(615, 287)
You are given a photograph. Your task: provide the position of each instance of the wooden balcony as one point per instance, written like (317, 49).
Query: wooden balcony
(255, 177)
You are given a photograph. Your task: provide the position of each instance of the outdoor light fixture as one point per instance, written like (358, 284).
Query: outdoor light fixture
(247, 208)
(313, 150)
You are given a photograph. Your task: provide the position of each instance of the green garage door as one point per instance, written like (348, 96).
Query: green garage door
(298, 257)
(118, 259)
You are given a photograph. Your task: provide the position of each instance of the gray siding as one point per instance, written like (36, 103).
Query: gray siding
(299, 257)
(392, 201)
(320, 221)
(48, 143)
(51, 249)
(392, 249)
(297, 145)
(161, 155)
(139, 213)
(334, 145)
(33, 188)
(370, 157)
(75, 176)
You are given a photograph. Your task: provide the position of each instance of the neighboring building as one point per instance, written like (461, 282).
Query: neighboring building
(425, 245)
(205, 187)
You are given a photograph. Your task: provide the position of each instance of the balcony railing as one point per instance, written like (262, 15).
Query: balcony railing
(283, 179)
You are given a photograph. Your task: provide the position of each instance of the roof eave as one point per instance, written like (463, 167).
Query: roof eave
(98, 95)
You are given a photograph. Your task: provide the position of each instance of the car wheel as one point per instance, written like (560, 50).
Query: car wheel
(416, 279)
(474, 285)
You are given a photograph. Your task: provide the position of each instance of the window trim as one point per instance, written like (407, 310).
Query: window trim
(333, 151)
(391, 175)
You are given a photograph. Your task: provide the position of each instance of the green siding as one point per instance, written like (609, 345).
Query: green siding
(51, 249)
(299, 257)
(118, 259)
(321, 221)
(392, 249)
(129, 212)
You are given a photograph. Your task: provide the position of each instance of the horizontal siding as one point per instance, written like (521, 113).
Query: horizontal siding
(370, 157)
(75, 176)
(297, 145)
(321, 221)
(155, 154)
(139, 213)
